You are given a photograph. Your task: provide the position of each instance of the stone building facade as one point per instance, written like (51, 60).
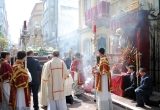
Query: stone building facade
(59, 19)
(101, 13)
(3, 18)
(34, 25)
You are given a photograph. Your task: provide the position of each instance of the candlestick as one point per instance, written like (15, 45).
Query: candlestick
(25, 25)
(94, 28)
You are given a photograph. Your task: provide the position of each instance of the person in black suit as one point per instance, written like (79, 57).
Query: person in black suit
(133, 83)
(68, 61)
(34, 67)
(144, 91)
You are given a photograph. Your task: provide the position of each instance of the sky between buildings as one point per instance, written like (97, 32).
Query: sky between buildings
(17, 12)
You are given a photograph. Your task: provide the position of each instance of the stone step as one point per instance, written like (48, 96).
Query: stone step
(128, 104)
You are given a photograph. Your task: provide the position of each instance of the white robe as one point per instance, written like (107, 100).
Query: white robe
(43, 91)
(104, 100)
(55, 74)
(20, 98)
(6, 95)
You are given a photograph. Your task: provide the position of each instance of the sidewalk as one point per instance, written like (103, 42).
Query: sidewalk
(128, 104)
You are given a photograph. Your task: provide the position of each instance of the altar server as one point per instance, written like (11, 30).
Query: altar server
(5, 76)
(103, 83)
(20, 93)
(77, 74)
(55, 74)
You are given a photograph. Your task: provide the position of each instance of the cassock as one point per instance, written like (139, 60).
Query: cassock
(43, 92)
(55, 74)
(5, 76)
(103, 85)
(77, 74)
(20, 93)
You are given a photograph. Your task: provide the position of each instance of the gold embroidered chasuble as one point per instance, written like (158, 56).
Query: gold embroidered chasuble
(104, 68)
(20, 79)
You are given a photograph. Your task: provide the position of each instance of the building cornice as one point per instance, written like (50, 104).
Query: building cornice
(35, 7)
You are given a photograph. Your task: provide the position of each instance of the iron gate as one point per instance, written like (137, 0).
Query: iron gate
(155, 55)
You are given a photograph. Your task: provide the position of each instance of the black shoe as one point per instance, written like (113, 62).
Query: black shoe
(139, 105)
(94, 100)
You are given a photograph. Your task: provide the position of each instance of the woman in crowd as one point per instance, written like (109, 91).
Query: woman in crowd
(20, 94)
(5, 76)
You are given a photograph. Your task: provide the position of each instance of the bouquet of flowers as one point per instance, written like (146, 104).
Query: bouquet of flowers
(128, 56)
(116, 69)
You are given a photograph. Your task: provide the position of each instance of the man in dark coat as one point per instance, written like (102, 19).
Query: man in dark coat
(144, 91)
(130, 91)
(68, 60)
(34, 67)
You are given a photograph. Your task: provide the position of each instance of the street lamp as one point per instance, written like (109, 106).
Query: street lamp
(25, 37)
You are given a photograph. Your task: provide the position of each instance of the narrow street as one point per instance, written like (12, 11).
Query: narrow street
(84, 102)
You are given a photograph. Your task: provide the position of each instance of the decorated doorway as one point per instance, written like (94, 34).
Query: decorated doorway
(102, 42)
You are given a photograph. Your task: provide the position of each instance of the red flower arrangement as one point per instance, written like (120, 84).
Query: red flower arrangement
(128, 56)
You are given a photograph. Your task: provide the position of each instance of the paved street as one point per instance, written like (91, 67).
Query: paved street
(84, 102)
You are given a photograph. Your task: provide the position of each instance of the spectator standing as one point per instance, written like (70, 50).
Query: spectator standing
(34, 67)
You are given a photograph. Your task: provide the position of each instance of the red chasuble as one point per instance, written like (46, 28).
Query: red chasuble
(5, 74)
(104, 68)
(77, 66)
(19, 80)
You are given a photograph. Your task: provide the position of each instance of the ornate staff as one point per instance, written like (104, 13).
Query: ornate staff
(25, 37)
(137, 66)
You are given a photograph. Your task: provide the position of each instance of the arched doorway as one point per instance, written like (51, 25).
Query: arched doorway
(102, 42)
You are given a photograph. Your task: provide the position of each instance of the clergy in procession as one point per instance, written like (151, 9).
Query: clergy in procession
(43, 93)
(77, 74)
(20, 93)
(55, 73)
(5, 76)
(103, 82)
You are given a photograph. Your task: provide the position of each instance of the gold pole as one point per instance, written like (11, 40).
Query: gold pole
(137, 65)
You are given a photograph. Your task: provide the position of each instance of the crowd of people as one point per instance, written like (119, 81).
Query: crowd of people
(18, 81)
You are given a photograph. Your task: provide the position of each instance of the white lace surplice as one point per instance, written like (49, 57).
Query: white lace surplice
(104, 100)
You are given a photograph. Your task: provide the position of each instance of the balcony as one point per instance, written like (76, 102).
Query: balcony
(96, 13)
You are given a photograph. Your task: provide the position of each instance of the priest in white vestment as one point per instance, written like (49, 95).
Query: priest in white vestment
(55, 75)
(103, 83)
(43, 92)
